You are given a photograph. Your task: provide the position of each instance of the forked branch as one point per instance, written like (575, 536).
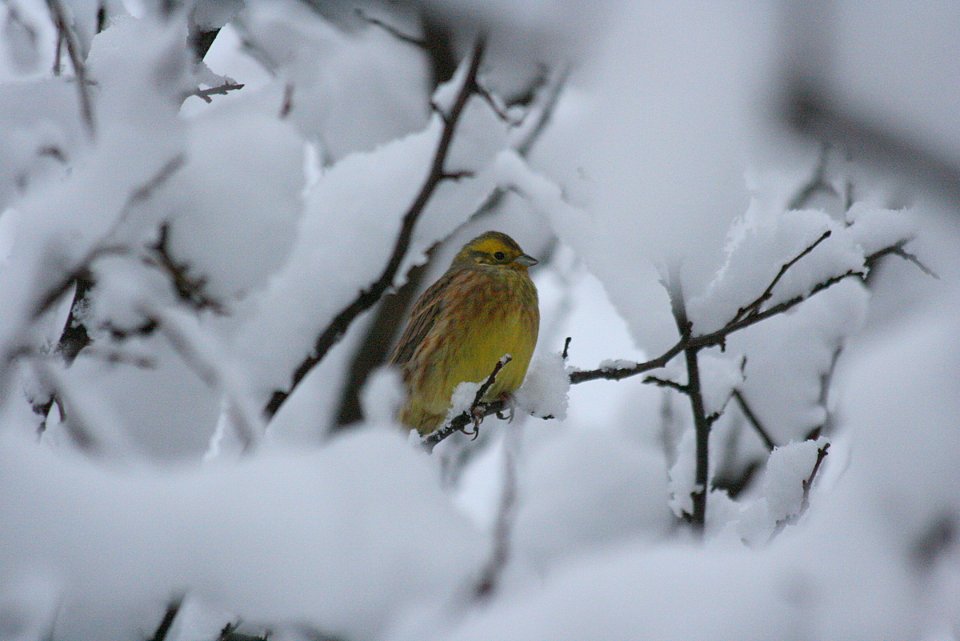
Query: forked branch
(743, 320)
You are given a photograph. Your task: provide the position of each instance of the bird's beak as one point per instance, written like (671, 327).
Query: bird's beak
(526, 261)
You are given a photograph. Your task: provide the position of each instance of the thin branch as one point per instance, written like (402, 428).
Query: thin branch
(219, 90)
(497, 108)
(554, 91)
(754, 306)
(898, 250)
(500, 555)
(393, 31)
(169, 616)
(82, 270)
(753, 420)
(190, 290)
(475, 414)
(59, 17)
(246, 420)
(287, 105)
(808, 482)
(367, 298)
(718, 337)
(693, 391)
(78, 426)
(482, 390)
(665, 382)
(58, 55)
(566, 347)
(816, 184)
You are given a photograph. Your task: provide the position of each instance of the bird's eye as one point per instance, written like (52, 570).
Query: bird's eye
(499, 255)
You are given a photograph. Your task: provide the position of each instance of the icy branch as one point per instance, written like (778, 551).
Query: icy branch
(367, 298)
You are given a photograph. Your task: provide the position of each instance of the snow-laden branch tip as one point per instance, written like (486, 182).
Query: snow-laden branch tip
(368, 297)
(474, 414)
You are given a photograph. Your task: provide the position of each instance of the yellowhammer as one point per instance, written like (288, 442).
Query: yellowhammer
(483, 307)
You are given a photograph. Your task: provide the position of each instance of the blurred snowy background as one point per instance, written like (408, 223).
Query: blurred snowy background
(190, 191)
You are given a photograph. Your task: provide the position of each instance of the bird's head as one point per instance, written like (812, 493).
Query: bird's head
(495, 249)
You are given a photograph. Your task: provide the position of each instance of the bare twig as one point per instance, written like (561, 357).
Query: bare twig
(816, 184)
(665, 382)
(69, 37)
(482, 390)
(753, 420)
(475, 414)
(898, 250)
(545, 115)
(754, 306)
(78, 426)
(189, 289)
(287, 105)
(169, 616)
(500, 555)
(368, 297)
(566, 348)
(219, 90)
(808, 482)
(693, 391)
(393, 31)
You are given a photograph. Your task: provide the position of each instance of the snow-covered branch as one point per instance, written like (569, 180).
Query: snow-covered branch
(368, 297)
(742, 320)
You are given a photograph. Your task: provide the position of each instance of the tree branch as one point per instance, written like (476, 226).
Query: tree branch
(219, 90)
(500, 555)
(665, 382)
(169, 616)
(66, 33)
(718, 337)
(693, 391)
(808, 482)
(753, 420)
(754, 306)
(477, 411)
(369, 297)
(816, 184)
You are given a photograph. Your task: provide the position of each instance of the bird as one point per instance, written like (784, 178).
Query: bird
(483, 307)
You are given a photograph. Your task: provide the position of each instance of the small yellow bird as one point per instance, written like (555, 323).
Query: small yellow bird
(483, 307)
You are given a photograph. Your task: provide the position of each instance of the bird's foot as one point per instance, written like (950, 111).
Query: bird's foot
(506, 414)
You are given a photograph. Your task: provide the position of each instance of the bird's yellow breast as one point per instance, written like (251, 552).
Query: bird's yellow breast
(489, 313)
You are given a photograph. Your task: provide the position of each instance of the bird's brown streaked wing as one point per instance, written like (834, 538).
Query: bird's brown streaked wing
(422, 318)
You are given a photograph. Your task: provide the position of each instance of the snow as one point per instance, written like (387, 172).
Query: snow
(235, 206)
(378, 532)
(158, 476)
(583, 491)
(544, 390)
